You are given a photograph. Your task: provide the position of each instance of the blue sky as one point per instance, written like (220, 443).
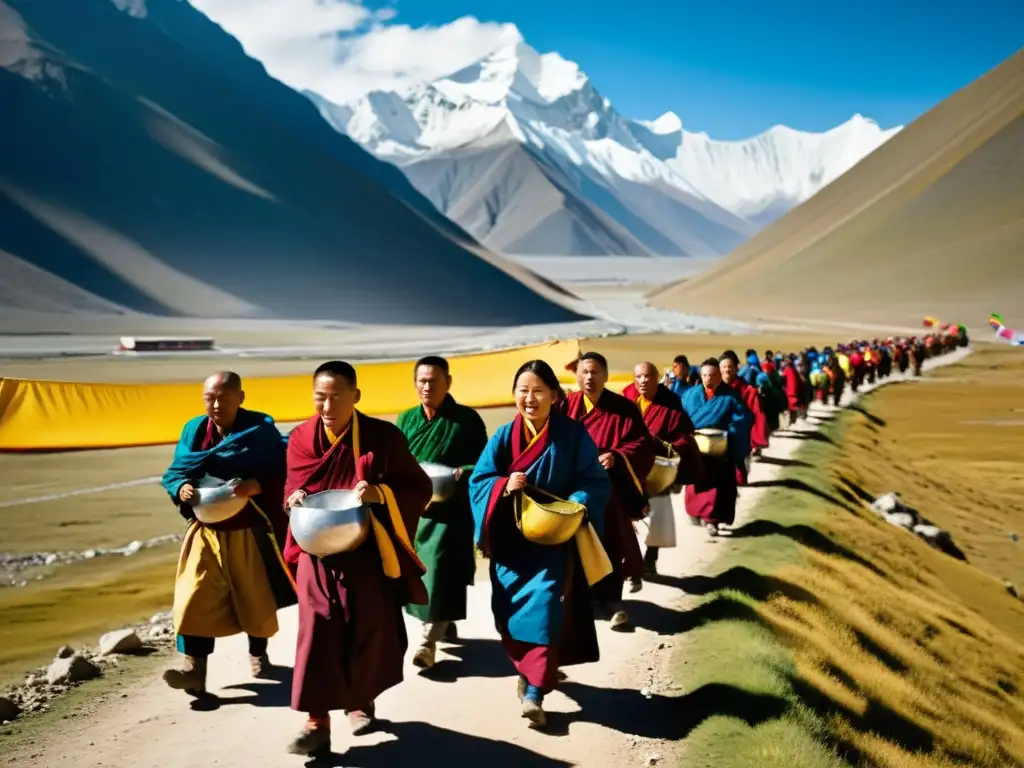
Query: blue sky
(735, 67)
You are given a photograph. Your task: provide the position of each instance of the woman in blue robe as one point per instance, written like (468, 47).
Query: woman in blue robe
(716, 405)
(540, 598)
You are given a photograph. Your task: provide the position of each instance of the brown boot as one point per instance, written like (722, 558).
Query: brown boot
(260, 666)
(190, 678)
(314, 739)
(362, 720)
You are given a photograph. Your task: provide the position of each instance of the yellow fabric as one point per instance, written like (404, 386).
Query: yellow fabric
(593, 557)
(57, 415)
(533, 431)
(221, 587)
(844, 363)
(643, 402)
(587, 404)
(388, 553)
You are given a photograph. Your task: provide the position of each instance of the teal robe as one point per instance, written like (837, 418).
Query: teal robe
(444, 538)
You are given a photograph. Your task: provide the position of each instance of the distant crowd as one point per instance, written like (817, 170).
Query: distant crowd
(358, 520)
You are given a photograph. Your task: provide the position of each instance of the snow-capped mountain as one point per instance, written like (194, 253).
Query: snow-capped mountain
(524, 152)
(763, 177)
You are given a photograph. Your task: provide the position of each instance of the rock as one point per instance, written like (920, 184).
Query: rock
(119, 641)
(652, 759)
(931, 533)
(645, 692)
(160, 618)
(888, 504)
(8, 709)
(132, 548)
(65, 652)
(50, 559)
(900, 520)
(73, 669)
(1011, 588)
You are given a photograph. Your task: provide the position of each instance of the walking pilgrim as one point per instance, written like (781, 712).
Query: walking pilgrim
(352, 638)
(711, 501)
(231, 577)
(627, 453)
(668, 425)
(441, 431)
(539, 591)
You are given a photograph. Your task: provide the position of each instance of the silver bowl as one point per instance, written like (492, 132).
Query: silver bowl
(215, 500)
(443, 478)
(330, 522)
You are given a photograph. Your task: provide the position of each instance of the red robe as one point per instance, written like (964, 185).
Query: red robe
(751, 398)
(794, 388)
(615, 425)
(352, 639)
(667, 421)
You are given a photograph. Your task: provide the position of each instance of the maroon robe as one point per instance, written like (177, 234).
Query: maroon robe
(352, 639)
(759, 432)
(667, 421)
(616, 425)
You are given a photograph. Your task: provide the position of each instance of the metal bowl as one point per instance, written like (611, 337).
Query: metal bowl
(443, 478)
(215, 500)
(330, 522)
(712, 442)
(662, 475)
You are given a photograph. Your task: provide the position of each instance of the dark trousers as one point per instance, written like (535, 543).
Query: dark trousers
(201, 647)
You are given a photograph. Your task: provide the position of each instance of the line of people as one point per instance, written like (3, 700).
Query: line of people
(591, 450)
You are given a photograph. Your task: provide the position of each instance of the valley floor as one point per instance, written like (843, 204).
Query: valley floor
(632, 707)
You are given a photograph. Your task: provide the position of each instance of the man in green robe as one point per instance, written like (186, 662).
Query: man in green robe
(441, 431)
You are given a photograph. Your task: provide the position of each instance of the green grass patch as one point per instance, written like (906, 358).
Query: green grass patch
(833, 638)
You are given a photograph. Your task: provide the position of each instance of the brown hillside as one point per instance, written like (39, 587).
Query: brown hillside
(931, 223)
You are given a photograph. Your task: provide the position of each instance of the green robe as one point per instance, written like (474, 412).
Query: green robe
(456, 436)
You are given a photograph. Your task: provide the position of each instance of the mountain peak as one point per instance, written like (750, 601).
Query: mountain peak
(516, 66)
(667, 123)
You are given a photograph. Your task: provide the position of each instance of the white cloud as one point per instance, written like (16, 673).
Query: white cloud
(343, 50)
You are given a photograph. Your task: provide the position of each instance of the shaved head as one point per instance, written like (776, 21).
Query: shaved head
(645, 376)
(225, 380)
(223, 396)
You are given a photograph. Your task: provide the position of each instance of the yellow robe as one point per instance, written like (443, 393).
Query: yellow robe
(221, 587)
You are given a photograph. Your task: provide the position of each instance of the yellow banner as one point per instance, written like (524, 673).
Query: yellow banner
(53, 415)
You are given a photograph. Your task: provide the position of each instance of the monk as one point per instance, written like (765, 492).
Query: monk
(716, 405)
(667, 423)
(729, 367)
(231, 577)
(352, 637)
(441, 431)
(626, 451)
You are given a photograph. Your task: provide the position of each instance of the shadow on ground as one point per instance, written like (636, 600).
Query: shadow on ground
(805, 535)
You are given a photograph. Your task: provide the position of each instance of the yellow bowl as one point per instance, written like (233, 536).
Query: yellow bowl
(664, 472)
(712, 442)
(550, 522)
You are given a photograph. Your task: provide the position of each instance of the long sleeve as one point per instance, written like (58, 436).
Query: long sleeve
(482, 485)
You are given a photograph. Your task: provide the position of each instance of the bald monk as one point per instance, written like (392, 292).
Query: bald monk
(667, 422)
(231, 577)
(626, 451)
(716, 405)
(352, 637)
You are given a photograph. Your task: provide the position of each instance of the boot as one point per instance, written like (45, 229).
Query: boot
(260, 666)
(620, 619)
(314, 739)
(190, 678)
(362, 720)
(424, 656)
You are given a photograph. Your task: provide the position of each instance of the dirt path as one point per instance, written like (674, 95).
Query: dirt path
(621, 711)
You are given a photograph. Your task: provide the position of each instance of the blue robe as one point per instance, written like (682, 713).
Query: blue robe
(723, 411)
(527, 579)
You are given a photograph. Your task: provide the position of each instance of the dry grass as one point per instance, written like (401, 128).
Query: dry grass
(897, 655)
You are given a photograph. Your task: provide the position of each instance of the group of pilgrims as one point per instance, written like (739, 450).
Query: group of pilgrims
(587, 452)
